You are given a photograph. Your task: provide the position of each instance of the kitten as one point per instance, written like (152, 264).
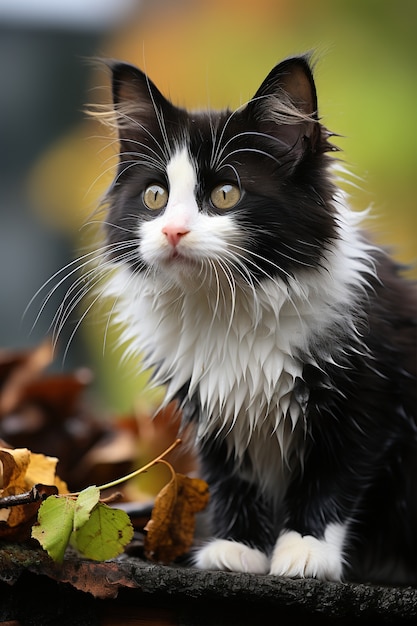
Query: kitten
(244, 280)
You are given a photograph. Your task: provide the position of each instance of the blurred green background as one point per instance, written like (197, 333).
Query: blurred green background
(200, 53)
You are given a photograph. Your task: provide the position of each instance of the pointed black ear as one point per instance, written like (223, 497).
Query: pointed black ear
(137, 101)
(285, 105)
(291, 82)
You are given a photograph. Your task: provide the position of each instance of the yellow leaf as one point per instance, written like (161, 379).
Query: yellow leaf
(42, 470)
(20, 470)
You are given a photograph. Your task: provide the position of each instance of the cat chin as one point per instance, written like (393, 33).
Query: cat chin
(184, 277)
(179, 269)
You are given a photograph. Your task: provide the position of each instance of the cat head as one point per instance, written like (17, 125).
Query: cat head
(238, 195)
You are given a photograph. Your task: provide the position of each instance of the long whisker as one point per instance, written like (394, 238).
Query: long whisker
(96, 276)
(235, 172)
(247, 254)
(161, 123)
(143, 128)
(156, 156)
(217, 146)
(235, 261)
(281, 286)
(79, 322)
(255, 151)
(213, 270)
(100, 262)
(232, 286)
(112, 225)
(251, 134)
(87, 258)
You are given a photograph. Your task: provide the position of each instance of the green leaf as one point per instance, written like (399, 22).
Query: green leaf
(104, 535)
(55, 524)
(86, 501)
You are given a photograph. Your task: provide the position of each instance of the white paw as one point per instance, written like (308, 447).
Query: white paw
(231, 556)
(298, 556)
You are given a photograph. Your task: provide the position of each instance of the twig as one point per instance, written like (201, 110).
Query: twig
(37, 493)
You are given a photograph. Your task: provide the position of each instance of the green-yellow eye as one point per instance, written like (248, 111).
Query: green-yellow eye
(155, 197)
(225, 196)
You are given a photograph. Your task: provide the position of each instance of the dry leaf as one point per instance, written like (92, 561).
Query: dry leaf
(48, 413)
(17, 369)
(20, 470)
(170, 531)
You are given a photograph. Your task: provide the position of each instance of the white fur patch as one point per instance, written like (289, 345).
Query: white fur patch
(207, 236)
(231, 556)
(298, 556)
(196, 319)
(182, 178)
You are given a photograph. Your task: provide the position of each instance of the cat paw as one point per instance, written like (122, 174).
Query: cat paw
(297, 556)
(231, 556)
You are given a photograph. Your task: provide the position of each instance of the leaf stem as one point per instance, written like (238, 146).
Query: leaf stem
(141, 470)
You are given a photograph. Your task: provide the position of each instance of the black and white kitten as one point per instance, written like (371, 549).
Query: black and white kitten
(243, 278)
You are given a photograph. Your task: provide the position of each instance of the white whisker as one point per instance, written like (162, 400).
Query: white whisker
(87, 258)
(252, 150)
(232, 286)
(249, 134)
(217, 146)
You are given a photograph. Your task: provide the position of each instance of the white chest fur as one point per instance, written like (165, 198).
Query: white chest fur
(200, 320)
(241, 362)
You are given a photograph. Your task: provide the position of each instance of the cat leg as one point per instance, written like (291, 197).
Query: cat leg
(223, 554)
(304, 556)
(241, 519)
(323, 502)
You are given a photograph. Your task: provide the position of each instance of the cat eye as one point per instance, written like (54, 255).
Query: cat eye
(155, 197)
(225, 196)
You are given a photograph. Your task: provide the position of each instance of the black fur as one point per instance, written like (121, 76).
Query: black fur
(360, 442)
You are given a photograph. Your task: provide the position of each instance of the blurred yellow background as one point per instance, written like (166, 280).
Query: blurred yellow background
(216, 53)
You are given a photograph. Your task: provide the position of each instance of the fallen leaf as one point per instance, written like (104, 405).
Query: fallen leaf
(86, 501)
(170, 531)
(48, 414)
(17, 370)
(97, 531)
(55, 526)
(42, 469)
(14, 466)
(20, 471)
(104, 535)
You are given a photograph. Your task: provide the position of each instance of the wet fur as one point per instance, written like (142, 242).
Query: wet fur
(287, 338)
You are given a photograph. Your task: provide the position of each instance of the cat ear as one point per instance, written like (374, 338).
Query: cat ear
(137, 101)
(291, 82)
(286, 104)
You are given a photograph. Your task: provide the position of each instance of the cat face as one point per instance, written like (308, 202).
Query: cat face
(221, 196)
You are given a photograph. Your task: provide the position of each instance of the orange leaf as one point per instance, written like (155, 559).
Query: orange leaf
(170, 531)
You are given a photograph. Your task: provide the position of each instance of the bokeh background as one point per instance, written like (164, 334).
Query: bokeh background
(56, 164)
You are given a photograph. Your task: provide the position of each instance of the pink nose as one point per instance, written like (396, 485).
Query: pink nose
(174, 233)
